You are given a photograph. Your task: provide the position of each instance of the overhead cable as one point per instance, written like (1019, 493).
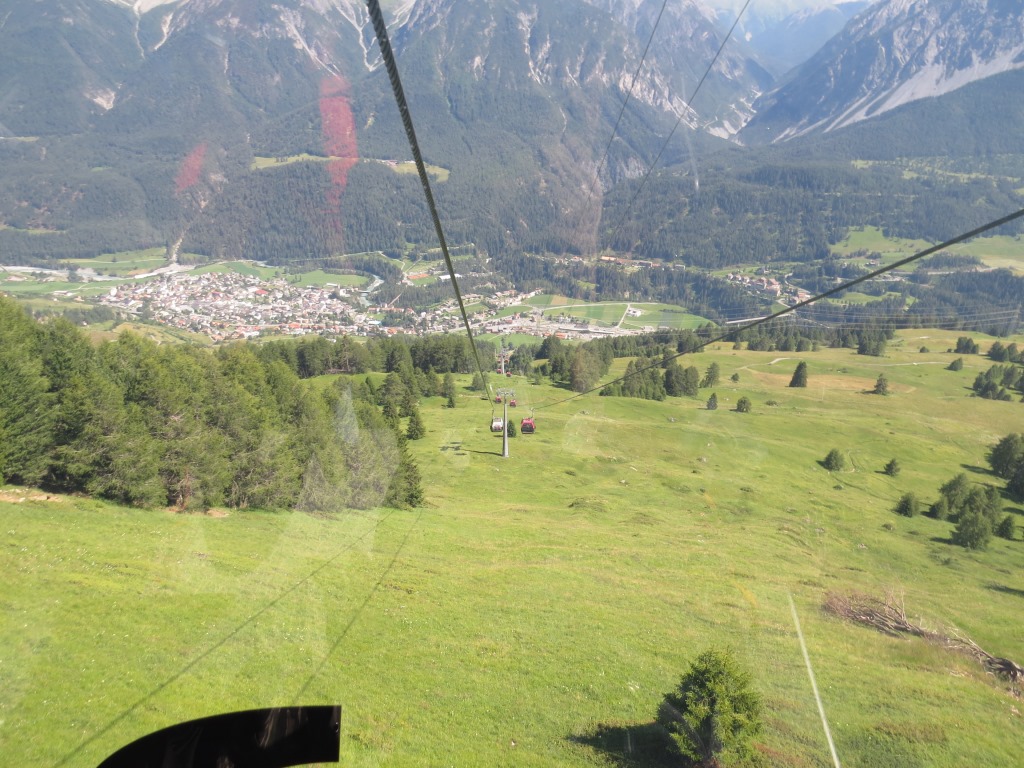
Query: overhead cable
(615, 128)
(373, 6)
(689, 101)
(788, 310)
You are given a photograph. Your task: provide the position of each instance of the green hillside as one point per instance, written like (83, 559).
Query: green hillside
(535, 612)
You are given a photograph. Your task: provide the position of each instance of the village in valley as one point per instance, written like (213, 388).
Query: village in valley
(246, 300)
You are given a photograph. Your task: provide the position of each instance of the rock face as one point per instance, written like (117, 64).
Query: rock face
(895, 52)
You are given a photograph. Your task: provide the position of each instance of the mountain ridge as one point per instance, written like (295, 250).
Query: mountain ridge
(891, 54)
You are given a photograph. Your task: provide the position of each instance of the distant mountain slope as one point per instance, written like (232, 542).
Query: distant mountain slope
(894, 53)
(787, 40)
(979, 121)
(61, 62)
(148, 115)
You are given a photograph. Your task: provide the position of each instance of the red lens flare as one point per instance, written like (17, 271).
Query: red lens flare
(191, 169)
(339, 135)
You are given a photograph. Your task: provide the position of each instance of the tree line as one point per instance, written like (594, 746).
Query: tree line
(149, 425)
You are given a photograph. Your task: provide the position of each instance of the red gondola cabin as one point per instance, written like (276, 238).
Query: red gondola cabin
(527, 427)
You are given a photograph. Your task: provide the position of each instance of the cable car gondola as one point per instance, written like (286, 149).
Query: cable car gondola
(527, 427)
(497, 424)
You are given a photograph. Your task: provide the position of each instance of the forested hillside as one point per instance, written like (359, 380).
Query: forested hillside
(176, 425)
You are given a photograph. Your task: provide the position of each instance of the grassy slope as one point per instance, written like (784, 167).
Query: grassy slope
(541, 597)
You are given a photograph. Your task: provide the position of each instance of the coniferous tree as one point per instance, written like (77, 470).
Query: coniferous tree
(1006, 455)
(710, 376)
(908, 505)
(966, 346)
(1015, 485)
(675, 385)
(973, 530)
(691, 381)
(415, 429)
(956, 365)
(892, 469)
(743, 405)
(834, 461)
(713, 711)
(940, 509)
(712, 402)
(881, 385)
(448, 389)
(799, 375)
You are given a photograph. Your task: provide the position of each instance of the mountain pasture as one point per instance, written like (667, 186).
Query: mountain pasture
(536, 611)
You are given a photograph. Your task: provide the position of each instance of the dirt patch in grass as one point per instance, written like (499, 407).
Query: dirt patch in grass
(17, 496)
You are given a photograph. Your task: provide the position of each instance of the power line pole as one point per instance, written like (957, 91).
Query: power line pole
(505, 394)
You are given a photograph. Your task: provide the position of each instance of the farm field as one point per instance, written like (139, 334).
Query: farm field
(537, 609)
(871, 239)
(514, 339)
(1000, 252)
(124, 264)
(611, 313)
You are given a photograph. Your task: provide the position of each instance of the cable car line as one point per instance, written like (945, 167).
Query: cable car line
(832, 291)
(650, 169)
(358, 611)
(615, 128)
(373, 6)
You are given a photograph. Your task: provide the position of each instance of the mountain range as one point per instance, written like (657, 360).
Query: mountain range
(254, 127)
(892, 54)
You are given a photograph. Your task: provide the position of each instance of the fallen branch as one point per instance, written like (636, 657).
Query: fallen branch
(889, 616)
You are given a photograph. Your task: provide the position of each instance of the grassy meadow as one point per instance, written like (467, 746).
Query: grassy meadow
(535, 612)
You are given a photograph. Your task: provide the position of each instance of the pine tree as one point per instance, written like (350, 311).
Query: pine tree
(415, 429)
(710, 376)
(712, 402)
(892, 468)
(881, 385)
(799, 375)
(834, 461)
(1005, 456)
(1007, 528)
(743, 405)
(713, 710)
(973, 530)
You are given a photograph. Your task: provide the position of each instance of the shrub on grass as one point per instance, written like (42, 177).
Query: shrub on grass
(834, 461)
(908, 505)
(939, 510)
(973, 530)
